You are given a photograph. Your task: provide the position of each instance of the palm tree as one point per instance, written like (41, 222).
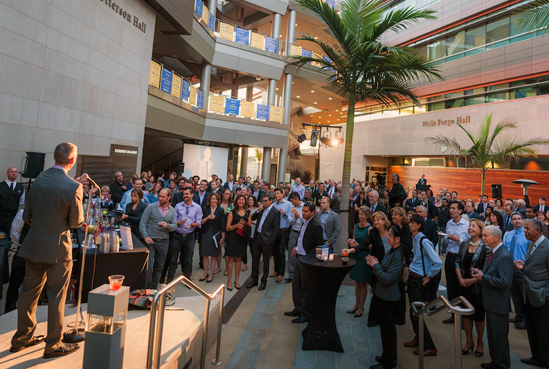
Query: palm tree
(534, 15)
(365, 69)
(488, 148)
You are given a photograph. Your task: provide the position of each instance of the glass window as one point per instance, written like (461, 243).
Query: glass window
(437, 49)
(522, 93)
(497, 30)
(544, 90)
(454, 94)
(475, 100)
(495, 97)
(474, 91)
(435, 106)
(449, 104)
(456, 43)
(497, 87)
(423, 51)
(475, 37)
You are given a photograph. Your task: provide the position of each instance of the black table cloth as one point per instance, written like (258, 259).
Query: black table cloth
(323, 279)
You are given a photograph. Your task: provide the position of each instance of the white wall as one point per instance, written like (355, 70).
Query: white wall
(72, 70)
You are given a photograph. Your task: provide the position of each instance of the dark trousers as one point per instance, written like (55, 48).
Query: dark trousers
(432, 287)
(537, 326)
(166, 265)
(386, 313)
(399, 307)
(250, 245)
(260, 247)
(157, 256)
(300, 294)
(416, 292)
(516, 293)
(452, 281)
(5, 224)
(279, 250)
(372, 311)
(182, 247)
(497, 330)
(16, 280)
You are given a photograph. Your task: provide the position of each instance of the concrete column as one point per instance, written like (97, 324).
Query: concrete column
(205, 79)
(249, 93)
(244, 162)
(276, 25)
(266, 163)
(290, 39)
(212, 5)
(271, 91)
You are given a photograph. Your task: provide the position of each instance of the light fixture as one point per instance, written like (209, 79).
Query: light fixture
(314, 103)
(277, 88)
(314, 137)
(313, 91)
(329, 98)
(338, 140)
(302, 137)
(298, 96)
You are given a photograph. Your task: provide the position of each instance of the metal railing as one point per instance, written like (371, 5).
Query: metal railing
(452, 307)
(157, 315)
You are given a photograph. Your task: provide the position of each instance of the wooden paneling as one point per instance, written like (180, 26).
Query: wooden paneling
(467, 181)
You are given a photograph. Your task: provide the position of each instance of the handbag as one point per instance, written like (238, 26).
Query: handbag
(404, 273)
(143, 298)
(242, 232)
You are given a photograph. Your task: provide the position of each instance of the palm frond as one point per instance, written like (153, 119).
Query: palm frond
(534, 16)
(401, 19)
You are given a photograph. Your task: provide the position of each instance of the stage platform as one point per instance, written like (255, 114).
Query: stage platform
(181, 342)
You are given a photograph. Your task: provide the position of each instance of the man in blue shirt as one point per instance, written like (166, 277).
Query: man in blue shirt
(299, 188)
(127, 198)
(425, 265)
(281, 244)
(515, 241)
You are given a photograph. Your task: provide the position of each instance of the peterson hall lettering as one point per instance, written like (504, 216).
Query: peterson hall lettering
(124, 14)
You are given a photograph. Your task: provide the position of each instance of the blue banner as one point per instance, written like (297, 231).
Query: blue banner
(326, 59)
(242, 36)
(166, 84)
(332, 3)
(200, 100)
(232, 106)
(271, 44)
(211, 22)
(198, 6)
(185, 90)
(262, 112)
(306, 53)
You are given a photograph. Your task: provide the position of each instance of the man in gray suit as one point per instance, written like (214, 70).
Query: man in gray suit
(54, 207)
(329, 220)
(536, 288)
(496, 279)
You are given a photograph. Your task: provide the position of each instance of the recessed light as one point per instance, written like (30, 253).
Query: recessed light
(280, 35)
(329, 98)
(298, 96)
(316, 38)
(329, 115)
(337, 110)
(277, 88)
(315, 102)
(312, 91)
(296, 24)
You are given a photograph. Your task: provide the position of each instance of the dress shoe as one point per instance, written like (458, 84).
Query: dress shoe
(392, 365)
(300, 320)
(372, 323)
(380, 366)
(400, 321)
(531, 361)
(65, 350)
(412, 343)
(288, 280)
(432, 352)
(252, 284)
(262, 286)
(516, 319)
(203, 279)
(33, 342)
(487, 366)
(279, 278)
(273, 274)
(520, 325)
(292, 313)
(450, 320)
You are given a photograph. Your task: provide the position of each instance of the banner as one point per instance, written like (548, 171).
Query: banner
(217, 104)
(247, 109)
(258, 41)
(166, 84)
(205, 12)
(176, 86)
(200, 100)
(198, 6)
(193, 96)
(325, 58)
(185, 91)
(232, 106)
(154, 76)
(271, 44)
(276, 114)
(226, 31)
(295, 50)
(211, 22)
(242, 36)
(318, 57)
(262, 112)
(332, 3)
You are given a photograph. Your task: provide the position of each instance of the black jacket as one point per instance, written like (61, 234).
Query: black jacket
(270, 227)
(312, 237)
(135, 216)
(117, 192)
(196, 198)
(217, 224)
(379, 207)
(411, 203)
(397, 194)
(430, 231)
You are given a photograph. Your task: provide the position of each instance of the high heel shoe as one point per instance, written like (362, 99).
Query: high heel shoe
(352, 311)
(235, 286)
(465, 352)
(358, 315)
(229, 289)
(203, 279)
(479, 354)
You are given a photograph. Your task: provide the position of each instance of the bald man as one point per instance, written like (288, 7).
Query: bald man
(12, 194)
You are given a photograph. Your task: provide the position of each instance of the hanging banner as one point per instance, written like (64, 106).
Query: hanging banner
(193, 96)
(271, 44)
(332, 3)
(262, 112)
(226, 31)
(198, 7)
(295, 50)
(247, 109)
(205, 12)
(166, 84)
(232, 106)
(318, 57)
(258, 41)
(211, 22)
(242, 36)
(154, 76)
(217, 104)
(276, 114)
(176, 86)
(325, 58)
(185, 90)
(200, 100)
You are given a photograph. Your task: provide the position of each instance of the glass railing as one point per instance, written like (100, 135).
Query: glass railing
(183, 91)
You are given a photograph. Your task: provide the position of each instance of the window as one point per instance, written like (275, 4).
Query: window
(497, 30)
(449, 104)
(475, 37)
(437, 49)
(456, 43)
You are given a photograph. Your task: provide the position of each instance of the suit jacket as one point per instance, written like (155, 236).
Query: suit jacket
(196, 198)
(332, 227)
(260, 194)
(536, 274)
(430, 231)
(217, 224)
(475, 216)
(270, 227)
(504, 226)
(538, 208)
(397, 194)
(422, 181)
(312, 237)
(379, 207)
(496, 282)
(411, 203)
(479, 259)
(480, 208)
(177, 198)
(226, 184)
(53, 207)
(387, 272)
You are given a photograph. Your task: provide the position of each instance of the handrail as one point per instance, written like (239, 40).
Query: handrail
(157, 314)
(425, 309)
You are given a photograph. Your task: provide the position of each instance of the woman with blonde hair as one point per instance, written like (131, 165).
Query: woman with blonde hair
(400, 220)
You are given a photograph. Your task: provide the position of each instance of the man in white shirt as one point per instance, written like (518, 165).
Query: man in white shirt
(127, 198)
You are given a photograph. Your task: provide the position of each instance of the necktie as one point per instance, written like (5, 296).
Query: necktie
(490, 257)
(508, 221)
(513, 241)
(12, 186)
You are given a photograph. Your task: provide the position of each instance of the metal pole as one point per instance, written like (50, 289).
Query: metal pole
(290, 39)
(421, 341)
(205, 80)
(266, 163)
(159, 331)
(205, 335)
(457, 327)
(216, 361)
(152, 333)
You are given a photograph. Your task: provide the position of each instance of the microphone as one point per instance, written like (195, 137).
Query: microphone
(86, 176)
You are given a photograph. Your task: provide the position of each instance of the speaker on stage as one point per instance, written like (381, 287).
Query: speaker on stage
(34, 164)
(496, 191)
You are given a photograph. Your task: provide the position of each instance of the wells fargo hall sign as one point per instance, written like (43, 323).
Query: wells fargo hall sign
(446, 122)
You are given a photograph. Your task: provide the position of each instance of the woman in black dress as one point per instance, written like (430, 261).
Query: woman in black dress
(238, 227)
(134, 211)
(472, 254)
(212, 226)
